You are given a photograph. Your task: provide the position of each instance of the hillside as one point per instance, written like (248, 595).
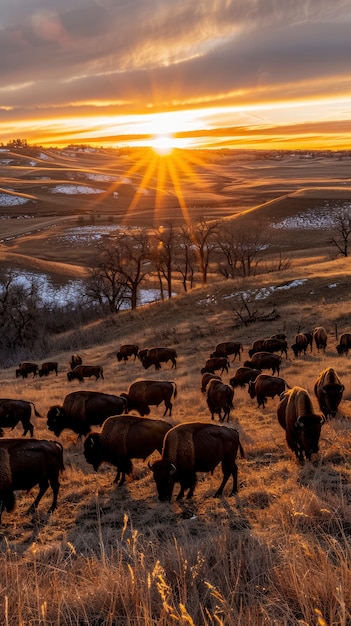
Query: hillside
(276, 553)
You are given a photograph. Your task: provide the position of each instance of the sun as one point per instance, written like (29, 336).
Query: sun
(163, 144)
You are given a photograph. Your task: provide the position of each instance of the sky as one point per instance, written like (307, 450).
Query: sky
(261, 74)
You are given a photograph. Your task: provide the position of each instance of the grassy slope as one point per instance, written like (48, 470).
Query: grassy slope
(231, 561)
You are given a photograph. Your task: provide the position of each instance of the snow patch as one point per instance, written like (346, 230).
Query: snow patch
(8, 200)
(75, 189)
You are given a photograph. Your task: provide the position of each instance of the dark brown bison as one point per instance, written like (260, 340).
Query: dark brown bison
(265, 386)
(256, 347)
(142, 354)
(320, 338)
(122, 439)
(328, 390)
(30, 462)
(75, 360)
(300, 344)
(243, 375)
(344, 344)
(206, 377)
(26, 368)
(82, 409)
(85, 371)
(145, 393)
(14, 411)
(156, 356)
(216, 363)
(127, 350)
(265, 361)
(301, 424)
(196, 447)
(47, 367)
(227, 348)
(219, 397)
(273, 344)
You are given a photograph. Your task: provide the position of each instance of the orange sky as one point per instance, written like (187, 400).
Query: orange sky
(261, 74)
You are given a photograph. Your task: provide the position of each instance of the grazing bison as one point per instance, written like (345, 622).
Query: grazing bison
(47, 367)
(243, 375)
(156, 356)
(265, 386)
(272, 344)
(196, 447)
(256, 347)
(122, 439)
(85, 371)
(30, 462)
(328, 390)
(265, 361)
(219, 397)
(75, 360)
(206, 377)
(300, 344)
(82, 409)
(301, 424)
(320, 338)
(216, 363)
(14, 411)
(344, 344)
(26, 368)
(145, 393)
(127, 350)
(227, 348)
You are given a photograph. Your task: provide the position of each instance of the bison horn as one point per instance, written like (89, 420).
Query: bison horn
(299, 422)
(173, 469)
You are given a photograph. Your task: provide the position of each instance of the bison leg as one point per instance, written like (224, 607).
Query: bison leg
(28, 427)
(226, 475)
(169, 406)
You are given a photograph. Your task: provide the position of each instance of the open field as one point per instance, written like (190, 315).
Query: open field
(276, 553)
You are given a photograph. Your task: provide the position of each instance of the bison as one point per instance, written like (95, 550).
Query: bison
(14, 411)
(300, 344)
(265, 386)
(206, 377)
(26, 368)
(82, 409)
(344, 344)
(265, 361)
(320, 338)
(156, 356)
(144, 393)
(216, 363)
(243, 375)
(328, 390)
(196, 447)
(273, 344)
(227, 348)
(75, 360)
(219, 397)
(30, 462)
(300, 422)
(122, 439)
(85, 371)
(256, 347)
(127, 350)
(47, 367)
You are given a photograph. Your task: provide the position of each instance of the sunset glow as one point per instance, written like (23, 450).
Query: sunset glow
(225, 78)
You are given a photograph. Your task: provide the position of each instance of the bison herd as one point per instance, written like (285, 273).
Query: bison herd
(186, 448)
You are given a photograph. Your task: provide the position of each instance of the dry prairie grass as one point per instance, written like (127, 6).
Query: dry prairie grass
(277, 553)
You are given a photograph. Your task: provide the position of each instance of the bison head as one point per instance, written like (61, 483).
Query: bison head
(92, 450)
(309, 430)
(165, 477)
(56, 420)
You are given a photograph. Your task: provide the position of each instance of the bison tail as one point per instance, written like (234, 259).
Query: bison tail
(242, 451)
(36, 413)
(175, 392)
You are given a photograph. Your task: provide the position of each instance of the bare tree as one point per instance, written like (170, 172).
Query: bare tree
(185, 262)
(203, 236)
(240, 248)
(340, 238)
(20, 304)
(163, 254)
(120, 270)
